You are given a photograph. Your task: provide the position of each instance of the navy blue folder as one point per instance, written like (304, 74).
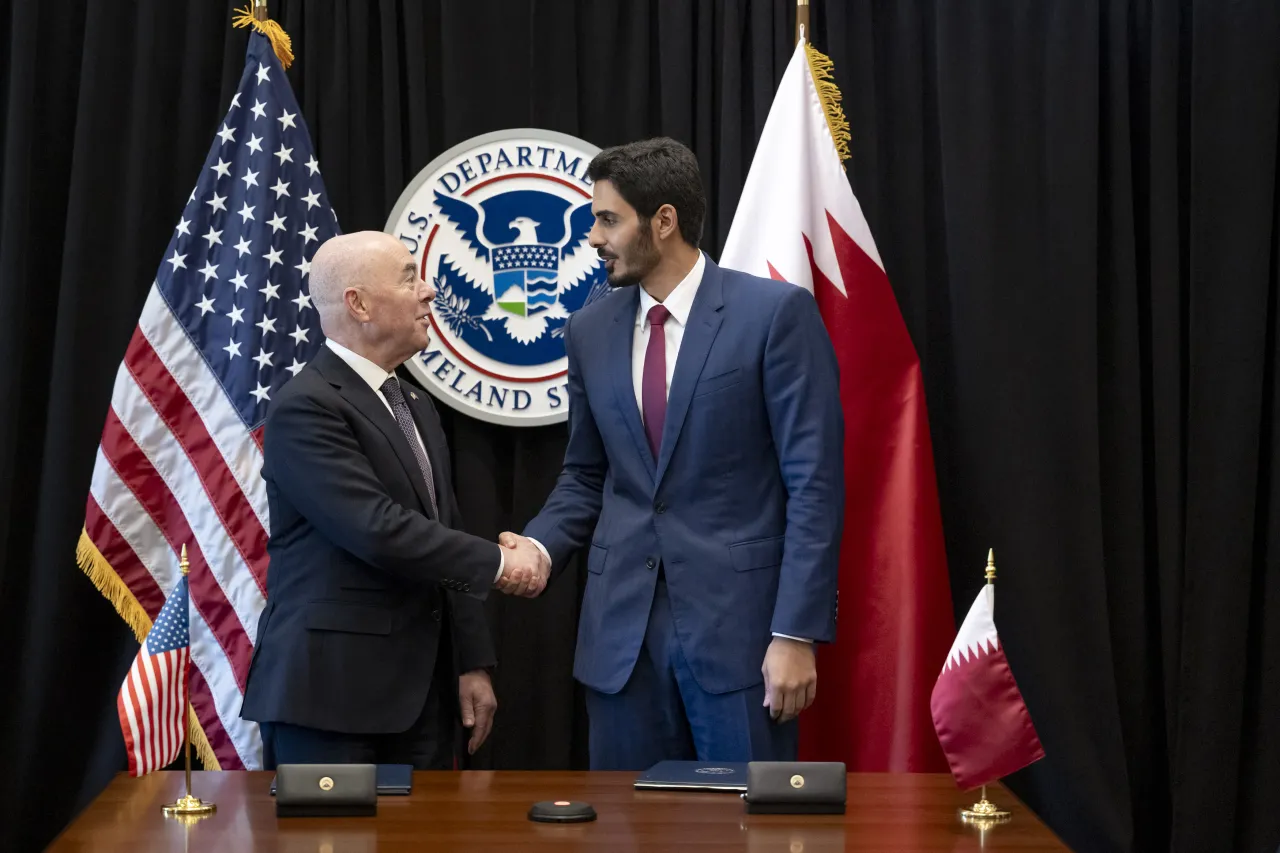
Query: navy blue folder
(694, 776)
(392, 780)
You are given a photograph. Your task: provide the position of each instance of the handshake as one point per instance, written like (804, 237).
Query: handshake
(525, 567)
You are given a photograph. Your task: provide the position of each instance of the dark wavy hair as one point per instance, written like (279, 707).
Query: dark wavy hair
(654, 172)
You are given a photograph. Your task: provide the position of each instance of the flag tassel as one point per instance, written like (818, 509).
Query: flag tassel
(107, 582)
(257, 18)
(821, 67)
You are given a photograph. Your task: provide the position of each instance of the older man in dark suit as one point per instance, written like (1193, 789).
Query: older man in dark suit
(373, 644)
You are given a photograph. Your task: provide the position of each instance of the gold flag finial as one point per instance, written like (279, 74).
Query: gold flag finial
(256, 16)
(183, 564)
(991, 565)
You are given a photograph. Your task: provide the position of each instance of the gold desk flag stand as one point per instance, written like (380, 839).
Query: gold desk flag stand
(188, 809)
(984, 814)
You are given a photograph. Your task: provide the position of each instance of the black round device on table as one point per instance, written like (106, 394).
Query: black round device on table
(561, 811)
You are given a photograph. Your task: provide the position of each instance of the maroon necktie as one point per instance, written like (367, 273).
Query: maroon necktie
(653, 384)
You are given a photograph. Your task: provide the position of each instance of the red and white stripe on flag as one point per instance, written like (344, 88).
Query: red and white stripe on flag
(982, 721)
(150, 705)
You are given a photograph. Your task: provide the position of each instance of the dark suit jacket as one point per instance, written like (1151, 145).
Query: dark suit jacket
(744, 505)
(362, 578)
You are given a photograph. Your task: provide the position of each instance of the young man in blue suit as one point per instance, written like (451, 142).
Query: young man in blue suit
(705, 469)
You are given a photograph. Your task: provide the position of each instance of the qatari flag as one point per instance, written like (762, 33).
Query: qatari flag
(982, 723)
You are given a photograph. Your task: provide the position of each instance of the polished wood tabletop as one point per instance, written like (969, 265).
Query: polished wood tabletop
(472, 810)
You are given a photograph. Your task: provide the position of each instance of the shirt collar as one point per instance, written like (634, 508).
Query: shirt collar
(680, 300)
(372, 374)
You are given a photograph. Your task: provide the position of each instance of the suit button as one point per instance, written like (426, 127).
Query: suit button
(659, 507)
(650, 563)
(435, 614)
(466, 588)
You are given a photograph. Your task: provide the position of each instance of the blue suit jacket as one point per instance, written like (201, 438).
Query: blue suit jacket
(743, 506)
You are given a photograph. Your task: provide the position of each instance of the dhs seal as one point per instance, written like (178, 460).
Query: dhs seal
(498, 224)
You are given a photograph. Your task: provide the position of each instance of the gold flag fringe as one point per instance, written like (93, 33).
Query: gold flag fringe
(107, 582)
(279, 39)
(821, 66)
(93, 564)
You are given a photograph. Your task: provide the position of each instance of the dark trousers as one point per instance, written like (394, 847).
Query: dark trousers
(662, 713)
(429, 744)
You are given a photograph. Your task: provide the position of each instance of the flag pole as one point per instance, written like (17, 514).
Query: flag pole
(984, 812)
(188, 808)
(802, 19)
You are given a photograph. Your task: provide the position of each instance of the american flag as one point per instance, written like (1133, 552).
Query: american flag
(153, 698)
(228, 321)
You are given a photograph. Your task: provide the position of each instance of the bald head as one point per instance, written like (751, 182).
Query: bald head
(366, 289)
(349, 260)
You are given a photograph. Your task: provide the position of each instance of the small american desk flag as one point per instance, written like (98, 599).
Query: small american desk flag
(153, 699)
(227, 322)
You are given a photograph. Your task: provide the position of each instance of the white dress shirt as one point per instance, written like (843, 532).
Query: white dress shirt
(679, 302)
(374, 376)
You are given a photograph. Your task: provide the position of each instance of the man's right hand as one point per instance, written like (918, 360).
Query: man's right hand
(525, 570)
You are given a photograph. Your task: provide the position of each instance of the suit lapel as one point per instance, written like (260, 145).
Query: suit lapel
(699, 335)
(621, 341)
(358, 393)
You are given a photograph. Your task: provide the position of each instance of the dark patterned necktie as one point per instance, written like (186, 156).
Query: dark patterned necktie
(391, 390)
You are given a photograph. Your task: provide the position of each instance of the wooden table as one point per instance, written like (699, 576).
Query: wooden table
(473, 811)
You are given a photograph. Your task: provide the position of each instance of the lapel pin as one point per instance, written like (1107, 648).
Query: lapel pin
(412, 396)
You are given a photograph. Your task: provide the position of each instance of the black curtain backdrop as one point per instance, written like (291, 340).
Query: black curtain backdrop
(1077, 205)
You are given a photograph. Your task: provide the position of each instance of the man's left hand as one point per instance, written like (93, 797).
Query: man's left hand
(478, 704)
(790, 678)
